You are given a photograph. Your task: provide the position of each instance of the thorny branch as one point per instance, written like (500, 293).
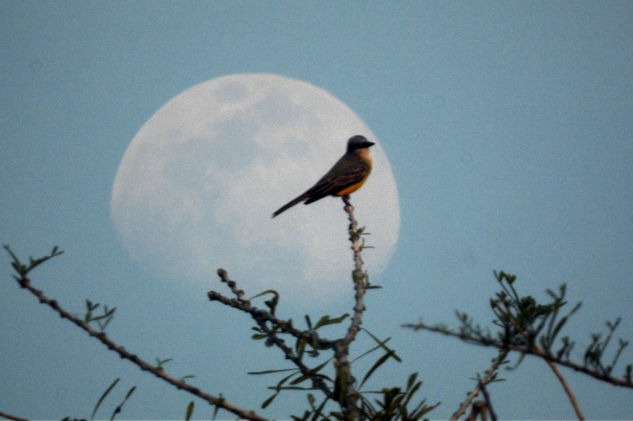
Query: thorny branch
(245, 305)
(345, 380)
(261, 317)
(143, 365)
(345, 391)
(487, 378)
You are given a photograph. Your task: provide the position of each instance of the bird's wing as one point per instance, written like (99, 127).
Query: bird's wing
(334, 183)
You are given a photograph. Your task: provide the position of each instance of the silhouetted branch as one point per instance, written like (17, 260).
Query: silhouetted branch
(489, 376)
(532, 328)
(478, 409)
(11, 417)
(561, 379)
(484, 391)
(345, 389)
(25, 282)
(523, 349)
(245, 305)
(261, 317)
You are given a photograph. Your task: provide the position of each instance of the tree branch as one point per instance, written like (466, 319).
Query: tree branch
(261, 317)
(484, 391)
(561, 379)
(488, 376)
(521, 349)
(345, 381)
(158, 372)
(245, 305)
(11, 417)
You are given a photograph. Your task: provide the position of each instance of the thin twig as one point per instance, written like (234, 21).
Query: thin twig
(11, 417)
(522, 349)
(157, 371)
(245, 305)
(482, 382)
(484, 391)
(478, 408)
(570, 394)
(261, 317)
(561, 379)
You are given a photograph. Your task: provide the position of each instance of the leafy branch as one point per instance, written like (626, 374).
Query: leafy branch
(343, 389)
(528, 327)
(103, 319)
(269, 327)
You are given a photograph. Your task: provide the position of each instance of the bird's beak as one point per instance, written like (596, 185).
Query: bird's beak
(367, 144)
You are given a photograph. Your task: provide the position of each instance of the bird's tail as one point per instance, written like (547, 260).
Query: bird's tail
(289, 204)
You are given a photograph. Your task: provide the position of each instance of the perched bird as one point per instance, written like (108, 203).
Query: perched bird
(345, 177)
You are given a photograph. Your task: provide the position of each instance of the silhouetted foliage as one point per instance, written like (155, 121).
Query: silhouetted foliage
(320, 367)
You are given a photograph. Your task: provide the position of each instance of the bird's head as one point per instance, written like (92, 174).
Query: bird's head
(358, 142)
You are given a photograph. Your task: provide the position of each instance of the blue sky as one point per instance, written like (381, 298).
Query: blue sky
(508, 125)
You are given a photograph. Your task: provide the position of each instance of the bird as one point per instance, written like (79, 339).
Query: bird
(346, 176)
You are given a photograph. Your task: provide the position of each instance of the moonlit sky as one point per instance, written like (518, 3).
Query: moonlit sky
(508, 125)
(196, 186)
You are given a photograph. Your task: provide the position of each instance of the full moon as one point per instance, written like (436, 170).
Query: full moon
(198, 183)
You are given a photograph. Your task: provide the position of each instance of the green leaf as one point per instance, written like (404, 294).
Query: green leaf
(564, 319)
(326, 320)
(189, 411)
(8, 249)
(272, 303)
(280, 388)
(120, 407)
(268, 291)
(311, 400)
(377, 364)
(364, 354)
(256, 373)
(103, 396)
(22, 269)
(411, 390)
(411, 380)
(269, 400)
(217, 408)
(129, 392)
(318, 411)
(383, 346)
(311, 373)
(160, 363)
(300, 347)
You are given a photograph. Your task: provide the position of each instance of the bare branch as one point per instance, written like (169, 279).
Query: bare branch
(478, 408)
(487, 378)
(11, 417)
(484, 391)
(158, 372)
